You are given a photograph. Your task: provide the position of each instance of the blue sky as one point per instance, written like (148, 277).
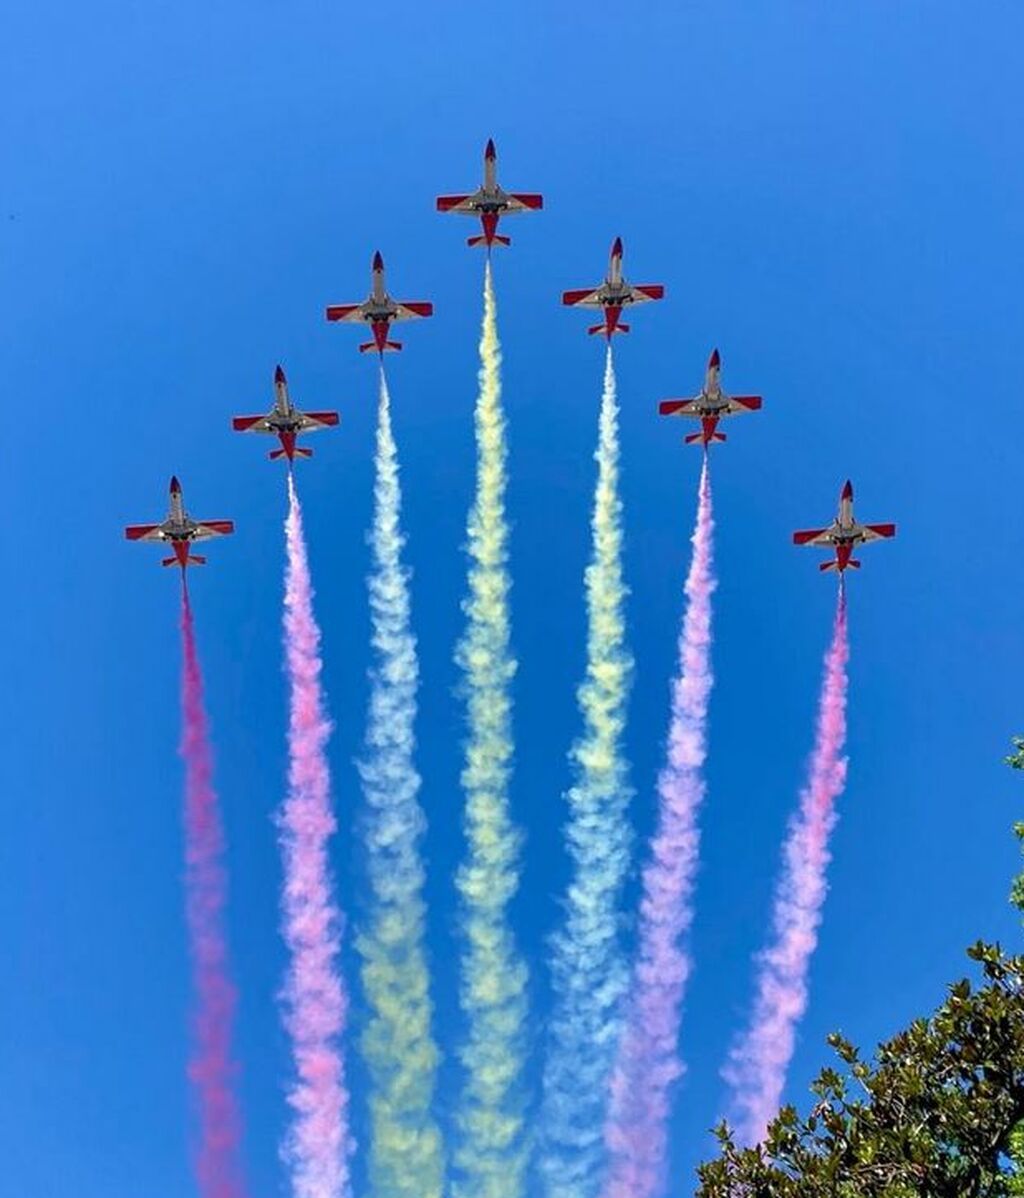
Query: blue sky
(832, 194)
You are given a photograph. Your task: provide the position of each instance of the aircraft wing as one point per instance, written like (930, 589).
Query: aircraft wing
(205, 529)
(646, 291)
(677, 407)
(251, 424)
(144, 532)
(590, 298)
(813, 536)
(413, 310)
(877, 532)
(313, 420)
(465, 204)
(743, 403)
(344, 312)
(523, 201)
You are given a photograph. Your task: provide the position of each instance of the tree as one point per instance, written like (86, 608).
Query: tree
(935, 1114)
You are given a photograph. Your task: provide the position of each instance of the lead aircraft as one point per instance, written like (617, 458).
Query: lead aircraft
(490, 202)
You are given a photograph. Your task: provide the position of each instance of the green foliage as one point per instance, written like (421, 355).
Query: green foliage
(935, 1114)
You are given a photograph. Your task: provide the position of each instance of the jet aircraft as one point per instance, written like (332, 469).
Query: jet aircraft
(179, 530)
(613, 295)
(285, 421)
(844, 534)
(378, 310)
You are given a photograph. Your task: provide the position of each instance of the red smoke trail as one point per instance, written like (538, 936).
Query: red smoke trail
(211, 1069)
(758, 1064)
(649, 1060)
(319, 1145)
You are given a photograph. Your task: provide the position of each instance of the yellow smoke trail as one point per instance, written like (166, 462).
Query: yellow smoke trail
(588, 969)
(405, 1157)
(490, 1155)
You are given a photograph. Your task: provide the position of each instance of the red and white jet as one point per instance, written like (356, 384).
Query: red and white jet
(613, 295)
(378, 310)
(490, 202)
(711, 405)
(285, 421)
(179, 530)
(844, 534)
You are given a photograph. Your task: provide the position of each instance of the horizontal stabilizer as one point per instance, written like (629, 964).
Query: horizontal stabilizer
(497, 239)
(195, 559)
(603, 328)
(169, 561)
(300, 451)
(831, 564)
(693, 438)
(388, 345)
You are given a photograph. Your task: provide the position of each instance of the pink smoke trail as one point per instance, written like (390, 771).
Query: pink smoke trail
(319, 1145)
(648, 1061)
(211, 1069)
(758, 1064)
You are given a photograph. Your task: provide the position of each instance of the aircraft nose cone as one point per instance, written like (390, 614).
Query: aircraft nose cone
(279, 375)
(490, 152)
(715, 359)
(617, 248)
(175, 485)
(378, 261)
(848, 490)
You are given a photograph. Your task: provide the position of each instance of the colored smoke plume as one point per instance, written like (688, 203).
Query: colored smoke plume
(491, 1152)
(406, 1158)
(211, 1069)
(589, 974)
(318, 1144)
(758, 1063)
(649, 1060)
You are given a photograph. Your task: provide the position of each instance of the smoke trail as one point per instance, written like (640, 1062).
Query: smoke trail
(211, 1069)
(758, 1063)
(406, 1159)
(490, 1154)
(589, 976)
(648, 1059)
(318, 1145)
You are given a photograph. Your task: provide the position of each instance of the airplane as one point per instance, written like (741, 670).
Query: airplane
(285, 421)
(378, 310)
(711, 405)
(179, 530)
(613, 295)
(490, 202)
(844, 533)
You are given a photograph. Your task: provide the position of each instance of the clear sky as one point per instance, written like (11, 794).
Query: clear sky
(832, 194)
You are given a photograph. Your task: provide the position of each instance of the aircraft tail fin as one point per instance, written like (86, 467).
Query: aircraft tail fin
(603, 328)
(388, 346)
(694, 438)
(300, 451)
